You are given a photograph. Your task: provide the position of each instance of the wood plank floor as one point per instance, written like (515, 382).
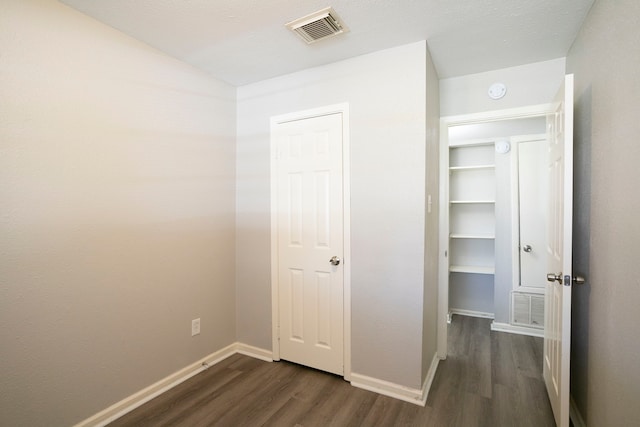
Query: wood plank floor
(489, 379)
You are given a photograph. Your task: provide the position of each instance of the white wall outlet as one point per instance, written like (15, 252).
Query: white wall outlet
(195, 327)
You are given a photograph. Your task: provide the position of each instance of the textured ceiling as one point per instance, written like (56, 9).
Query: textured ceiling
(244, 41)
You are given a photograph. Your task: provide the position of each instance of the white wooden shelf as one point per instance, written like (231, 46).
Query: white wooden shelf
(472, 236)
(471, 167)
(472, 142)
(461, 202)
(473, 269)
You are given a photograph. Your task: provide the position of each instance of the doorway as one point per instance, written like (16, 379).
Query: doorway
(310, 244)
(490, 290)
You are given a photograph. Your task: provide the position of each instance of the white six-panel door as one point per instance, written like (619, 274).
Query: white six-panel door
(557, 333)
(309, 234)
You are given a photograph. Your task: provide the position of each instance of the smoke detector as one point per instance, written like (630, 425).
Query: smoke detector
(317, 26)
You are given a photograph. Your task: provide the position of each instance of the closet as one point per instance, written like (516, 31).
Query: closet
(483, 225)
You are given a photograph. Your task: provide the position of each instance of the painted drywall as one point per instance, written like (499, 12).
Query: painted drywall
(529, 84)
(116, 214)
(605, 356)
(430, 298)
(386, 95)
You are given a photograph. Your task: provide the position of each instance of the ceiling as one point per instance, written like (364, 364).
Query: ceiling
(244, 41)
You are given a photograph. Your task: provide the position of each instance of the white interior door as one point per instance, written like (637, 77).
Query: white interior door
(532, 198)
(557, 332)
(310, 241)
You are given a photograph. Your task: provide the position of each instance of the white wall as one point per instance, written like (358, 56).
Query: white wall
(529, 84)
(605, 357)
(116, 214)
(386, 92)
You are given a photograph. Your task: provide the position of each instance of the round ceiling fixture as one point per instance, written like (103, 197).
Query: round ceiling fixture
(497, 90)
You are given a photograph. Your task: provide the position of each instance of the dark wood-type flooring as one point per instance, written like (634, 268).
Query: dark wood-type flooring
(488, 379)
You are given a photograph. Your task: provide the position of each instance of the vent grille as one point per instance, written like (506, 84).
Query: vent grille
(528, 310)
(317, 26)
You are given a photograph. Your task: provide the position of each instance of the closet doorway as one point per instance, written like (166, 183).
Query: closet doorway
(482, 234)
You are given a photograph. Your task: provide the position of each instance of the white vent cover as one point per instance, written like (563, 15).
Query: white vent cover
(317, 26)
(527, 309)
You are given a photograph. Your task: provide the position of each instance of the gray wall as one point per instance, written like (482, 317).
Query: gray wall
(430, 301)
(116, 215)
(386, 92)
(605, 58)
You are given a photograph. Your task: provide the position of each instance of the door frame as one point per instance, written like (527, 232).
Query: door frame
(443, 238)
(343, 109)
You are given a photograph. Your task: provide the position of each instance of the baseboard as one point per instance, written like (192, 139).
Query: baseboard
(512, 329)
(431, 374)
(470, 313)
(255, 352)
(386, 388)
(575, 415)
(132, 402)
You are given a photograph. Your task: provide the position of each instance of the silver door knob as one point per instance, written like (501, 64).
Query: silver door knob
(334, 260)
(554, 277)
(578, 280)
(527, 248)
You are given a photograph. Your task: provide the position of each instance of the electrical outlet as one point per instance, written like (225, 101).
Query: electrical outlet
(195, 327)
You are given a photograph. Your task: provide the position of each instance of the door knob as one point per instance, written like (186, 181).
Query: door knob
(554, 277)
(576, 280)
(527, 248)
(334, 260)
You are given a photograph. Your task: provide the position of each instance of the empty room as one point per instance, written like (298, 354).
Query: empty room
(308, 213)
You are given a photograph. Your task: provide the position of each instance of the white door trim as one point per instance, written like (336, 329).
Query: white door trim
(343, 109)
(443, 246)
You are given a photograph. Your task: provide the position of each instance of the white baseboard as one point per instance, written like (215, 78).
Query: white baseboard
(428, 381)
(470, 313)
(386, 388)
(575, 415)
(512, 329)
(132, 402)
(255, 352)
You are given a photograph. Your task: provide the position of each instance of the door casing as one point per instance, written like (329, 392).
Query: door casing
(342, 109)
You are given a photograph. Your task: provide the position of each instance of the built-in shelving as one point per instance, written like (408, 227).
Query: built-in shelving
(472, 192)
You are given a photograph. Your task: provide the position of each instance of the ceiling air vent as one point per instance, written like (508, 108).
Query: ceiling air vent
(317, 26)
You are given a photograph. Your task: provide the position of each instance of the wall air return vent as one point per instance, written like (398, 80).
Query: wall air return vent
(527, 309)
(317, 26)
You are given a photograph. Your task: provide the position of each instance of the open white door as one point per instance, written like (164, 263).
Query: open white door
(557, 327)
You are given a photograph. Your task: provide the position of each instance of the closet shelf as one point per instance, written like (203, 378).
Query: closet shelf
(471, 168)
(472, 236)
(474, 269)
(472, 142)
(460, 202)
